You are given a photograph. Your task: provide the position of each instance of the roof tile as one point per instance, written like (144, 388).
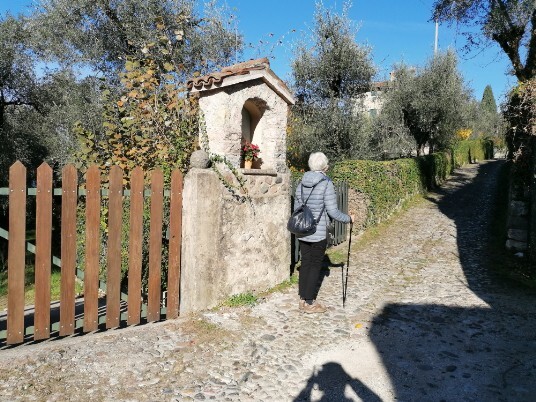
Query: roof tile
(215, 79)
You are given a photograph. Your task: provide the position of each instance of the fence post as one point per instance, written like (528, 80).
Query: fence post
(175, 231)
(16, 253)
(113, 277)
(155, 245)
(91, 274)
(135, 246)
(69, 200)
(43, 252)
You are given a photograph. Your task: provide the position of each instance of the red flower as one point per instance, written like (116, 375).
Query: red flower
(250, 151)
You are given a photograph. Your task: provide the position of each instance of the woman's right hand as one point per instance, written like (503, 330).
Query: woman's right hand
(352, 218)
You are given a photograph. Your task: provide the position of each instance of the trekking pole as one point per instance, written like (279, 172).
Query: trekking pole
(345, 284)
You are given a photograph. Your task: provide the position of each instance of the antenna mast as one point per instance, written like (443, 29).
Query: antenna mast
(436, 33)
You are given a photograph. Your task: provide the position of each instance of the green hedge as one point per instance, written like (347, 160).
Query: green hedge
(470, 150)
(387, 184)
(384, 184)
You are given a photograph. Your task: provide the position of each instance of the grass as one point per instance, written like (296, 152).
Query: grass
(339, 254)
(252, 298)
(241, 299)
(293, 280)
(29, 286)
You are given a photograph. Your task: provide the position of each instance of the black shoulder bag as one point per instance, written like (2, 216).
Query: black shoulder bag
(302, 221)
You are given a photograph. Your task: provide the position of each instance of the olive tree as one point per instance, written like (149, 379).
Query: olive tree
(102, 34)
(52, 80)
(509, 23)
(20, 99)
(330, 69)
(431, 103)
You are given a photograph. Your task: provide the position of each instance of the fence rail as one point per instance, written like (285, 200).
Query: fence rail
(119, 307)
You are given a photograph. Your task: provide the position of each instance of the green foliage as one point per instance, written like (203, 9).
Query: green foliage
(488, 104)
(386, 185)
(38, 112)
(472, 150)
(242, 299)
(520, 115)
(103, 34)
(331, 65)
(431, 102)
(487, 122)
(390, 138)
(329, 69)
(151, 124)
(19, 99)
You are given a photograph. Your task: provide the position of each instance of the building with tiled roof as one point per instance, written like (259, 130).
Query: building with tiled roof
(245, 102)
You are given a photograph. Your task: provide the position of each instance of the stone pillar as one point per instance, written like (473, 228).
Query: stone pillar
(201, 223)
(233, 242)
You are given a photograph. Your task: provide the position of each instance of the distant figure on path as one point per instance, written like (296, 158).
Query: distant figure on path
(318, 189)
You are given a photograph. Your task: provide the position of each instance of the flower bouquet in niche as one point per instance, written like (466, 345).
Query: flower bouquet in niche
(250, 153)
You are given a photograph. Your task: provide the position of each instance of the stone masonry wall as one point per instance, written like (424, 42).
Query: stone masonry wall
(521, 215)
(532, 221)
(222, 110)
(233, 245)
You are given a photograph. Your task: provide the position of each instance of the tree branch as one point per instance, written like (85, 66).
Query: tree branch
(530, 63)
(114, 18)
(510, 47)
(18, 102)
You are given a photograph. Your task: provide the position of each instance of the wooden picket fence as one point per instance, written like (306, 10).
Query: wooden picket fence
(70, 192)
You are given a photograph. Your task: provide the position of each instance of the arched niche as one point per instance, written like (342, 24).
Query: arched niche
(252, 112)
(246, 101)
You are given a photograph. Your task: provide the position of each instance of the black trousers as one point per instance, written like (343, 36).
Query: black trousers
(312, 255)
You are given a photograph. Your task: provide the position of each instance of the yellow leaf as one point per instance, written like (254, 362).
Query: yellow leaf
(358, 325)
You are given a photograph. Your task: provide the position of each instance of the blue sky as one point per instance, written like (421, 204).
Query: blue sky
(396, 30)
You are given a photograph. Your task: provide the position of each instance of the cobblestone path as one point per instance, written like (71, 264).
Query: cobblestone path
(424, 320)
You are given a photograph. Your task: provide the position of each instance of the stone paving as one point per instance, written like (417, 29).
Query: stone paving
(424, 320)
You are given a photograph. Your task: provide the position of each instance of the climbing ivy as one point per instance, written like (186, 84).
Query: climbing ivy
(151, 122)
(239, 192)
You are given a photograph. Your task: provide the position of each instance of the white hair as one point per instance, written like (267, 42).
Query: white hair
(318, 162)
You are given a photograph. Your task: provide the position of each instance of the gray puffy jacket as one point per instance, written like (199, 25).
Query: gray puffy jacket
(322, 195)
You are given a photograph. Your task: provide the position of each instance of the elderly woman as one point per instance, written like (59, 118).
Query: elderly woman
(322, 200)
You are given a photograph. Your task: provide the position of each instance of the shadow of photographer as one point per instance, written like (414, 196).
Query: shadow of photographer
(333, 384)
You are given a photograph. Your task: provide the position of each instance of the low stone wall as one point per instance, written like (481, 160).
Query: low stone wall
(532, 221)
(233, 242)
(521, 221)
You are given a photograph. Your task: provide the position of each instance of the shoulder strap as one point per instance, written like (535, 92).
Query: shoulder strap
(305, 203)
(312, 189)
(323, 204)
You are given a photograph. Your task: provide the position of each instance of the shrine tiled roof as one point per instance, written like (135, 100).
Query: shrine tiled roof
(215, 79)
